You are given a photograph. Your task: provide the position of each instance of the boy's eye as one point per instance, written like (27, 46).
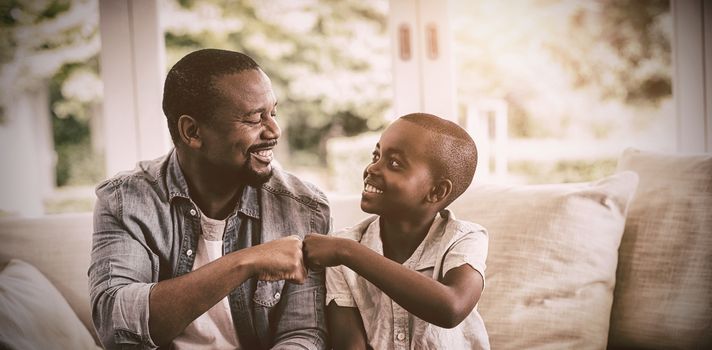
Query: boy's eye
(394, 164)
(374, 157)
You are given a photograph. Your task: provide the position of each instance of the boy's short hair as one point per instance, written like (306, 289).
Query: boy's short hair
(454, 156)
(189, 87)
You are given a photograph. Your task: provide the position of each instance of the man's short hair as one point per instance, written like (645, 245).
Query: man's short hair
(189, 88)
(453, 152)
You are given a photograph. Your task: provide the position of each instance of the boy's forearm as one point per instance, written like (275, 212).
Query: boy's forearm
(425, 298)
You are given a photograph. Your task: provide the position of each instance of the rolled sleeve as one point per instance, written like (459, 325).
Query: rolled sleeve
(470, 249)
(337, 289)
(121, 276)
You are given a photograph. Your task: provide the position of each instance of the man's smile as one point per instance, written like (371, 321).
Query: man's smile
(263, 155)
(263, 152)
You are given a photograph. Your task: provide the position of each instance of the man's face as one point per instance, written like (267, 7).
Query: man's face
(399, 177)
(242, 132)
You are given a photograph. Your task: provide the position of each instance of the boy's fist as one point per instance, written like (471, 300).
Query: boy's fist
(322, 251)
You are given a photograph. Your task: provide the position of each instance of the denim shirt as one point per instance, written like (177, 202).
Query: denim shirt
(146, 229)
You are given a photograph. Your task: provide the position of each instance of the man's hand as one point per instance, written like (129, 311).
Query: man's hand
(280, 259)
(323, 251)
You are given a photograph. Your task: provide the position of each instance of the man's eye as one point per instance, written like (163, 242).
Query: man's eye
(394, 164)
(375, 157)
(252, 120)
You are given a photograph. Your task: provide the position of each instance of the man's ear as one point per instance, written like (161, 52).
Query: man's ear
(440, 191)
(189, 132)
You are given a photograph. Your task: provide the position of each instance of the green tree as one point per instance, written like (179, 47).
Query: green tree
(55, 44)
(634, 33)
(565, 66)
(328, 60)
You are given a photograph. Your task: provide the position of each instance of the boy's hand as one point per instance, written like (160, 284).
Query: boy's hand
(321, 250)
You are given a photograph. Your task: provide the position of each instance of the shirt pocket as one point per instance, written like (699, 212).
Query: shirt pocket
(268, 293)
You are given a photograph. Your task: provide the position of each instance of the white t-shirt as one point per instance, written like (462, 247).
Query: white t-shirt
(449, 243)
(213, 329)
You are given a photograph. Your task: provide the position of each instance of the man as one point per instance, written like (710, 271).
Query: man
(196, 249)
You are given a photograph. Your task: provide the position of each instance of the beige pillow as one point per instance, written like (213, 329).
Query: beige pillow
(552, 260)
(663, 298)
(33, 315)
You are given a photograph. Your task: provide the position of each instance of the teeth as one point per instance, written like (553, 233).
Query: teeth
(371, 189)
(265, 154)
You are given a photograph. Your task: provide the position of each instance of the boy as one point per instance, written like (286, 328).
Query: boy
(412, 274)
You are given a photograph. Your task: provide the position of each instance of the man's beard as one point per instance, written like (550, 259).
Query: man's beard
(249, 176)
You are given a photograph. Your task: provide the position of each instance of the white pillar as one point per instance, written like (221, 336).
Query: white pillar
(692, 79)
(132, 69)
(28, 153)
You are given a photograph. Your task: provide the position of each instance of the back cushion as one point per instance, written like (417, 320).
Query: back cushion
(552, 260)
(663, 296)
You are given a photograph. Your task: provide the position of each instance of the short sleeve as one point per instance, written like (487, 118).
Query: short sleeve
(337, 289)
(470, 249)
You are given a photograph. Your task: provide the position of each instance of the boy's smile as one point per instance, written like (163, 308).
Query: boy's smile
(368, 188)
(399, 177)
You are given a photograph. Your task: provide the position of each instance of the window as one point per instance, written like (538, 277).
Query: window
(50, 115)
(330, 67)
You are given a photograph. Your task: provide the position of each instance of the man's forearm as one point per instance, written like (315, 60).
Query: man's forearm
(175, 303)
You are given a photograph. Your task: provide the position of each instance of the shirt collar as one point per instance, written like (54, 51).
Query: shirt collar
(426, 252)
(175, 181)
(249, 202)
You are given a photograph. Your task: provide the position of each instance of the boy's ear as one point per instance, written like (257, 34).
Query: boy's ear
(189, 131)
(440, 191)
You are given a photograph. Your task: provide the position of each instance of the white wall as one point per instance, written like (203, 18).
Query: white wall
(692, 74)
(423, 69)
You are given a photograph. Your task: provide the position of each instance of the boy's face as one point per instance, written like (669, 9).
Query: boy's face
(399, 178)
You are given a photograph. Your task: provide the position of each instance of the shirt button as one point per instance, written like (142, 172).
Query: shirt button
(277, 295)
(193, 212)
(400, 336)
(189, 252)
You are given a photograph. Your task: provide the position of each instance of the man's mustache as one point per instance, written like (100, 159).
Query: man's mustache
(263, 145)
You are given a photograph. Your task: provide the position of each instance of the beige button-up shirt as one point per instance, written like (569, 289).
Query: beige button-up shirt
(449, 243)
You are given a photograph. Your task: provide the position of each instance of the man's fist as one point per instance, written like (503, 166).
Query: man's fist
(280, 259)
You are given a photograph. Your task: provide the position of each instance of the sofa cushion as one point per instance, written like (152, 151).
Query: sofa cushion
(57, 245)
(552, 260)
(663, 296)
(34, 315)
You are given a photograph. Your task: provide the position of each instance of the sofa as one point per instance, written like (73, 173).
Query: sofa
(624, 262)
